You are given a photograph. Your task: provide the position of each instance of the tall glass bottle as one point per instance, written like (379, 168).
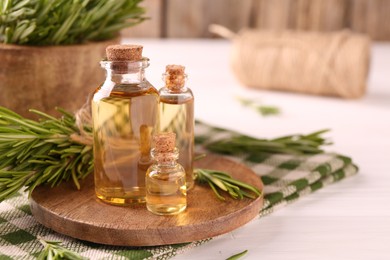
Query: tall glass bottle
(125, 116)
(177, 116)
(166, 192)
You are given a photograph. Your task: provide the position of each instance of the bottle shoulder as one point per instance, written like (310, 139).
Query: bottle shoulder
(184, 91)
(176, 97)
(172, 172)
(111, 89)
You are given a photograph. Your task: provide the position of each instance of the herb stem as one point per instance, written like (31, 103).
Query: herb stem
(237, 256)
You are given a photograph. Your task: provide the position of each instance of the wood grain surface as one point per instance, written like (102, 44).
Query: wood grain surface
(153, 25)
(191, 18)
(371, 17)
(81, 215)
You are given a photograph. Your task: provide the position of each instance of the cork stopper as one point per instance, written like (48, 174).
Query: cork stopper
(165, 142)
(124, 52)
(174, 77)
(175, 70)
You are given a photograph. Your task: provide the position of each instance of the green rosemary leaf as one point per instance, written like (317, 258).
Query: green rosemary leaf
(214, 180)
(54, 250)
(248, 195)
(293, 144)
(318, 133)
(240, 184)
(38, 181)
(200, 156)
(21, 4)
(42, 22)
(74, 177)
(215, 191)
(25, 123)
(268, 110)
(219, 173)
(232, 192)
(261, 109)
(237, 256)
(233, 187)
(66, 114)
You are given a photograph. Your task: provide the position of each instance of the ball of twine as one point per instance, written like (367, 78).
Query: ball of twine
(83, 120)
(332, 64)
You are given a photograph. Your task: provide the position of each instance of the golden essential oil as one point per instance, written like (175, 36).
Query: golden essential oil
(166, 191)
(125, 116)
(177, 116)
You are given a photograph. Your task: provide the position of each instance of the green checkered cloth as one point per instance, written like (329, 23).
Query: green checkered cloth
(286, 179)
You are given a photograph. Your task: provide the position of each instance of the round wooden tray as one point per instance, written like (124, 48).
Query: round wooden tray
(81, 215)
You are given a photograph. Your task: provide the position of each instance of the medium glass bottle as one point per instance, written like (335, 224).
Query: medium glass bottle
(125, 116)
(177, 115)
(166, 191)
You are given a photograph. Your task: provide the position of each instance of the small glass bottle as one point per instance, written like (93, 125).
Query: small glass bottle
(166, 192)
(177, 115)
(125, 116)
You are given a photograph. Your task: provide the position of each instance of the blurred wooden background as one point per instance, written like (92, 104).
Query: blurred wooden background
(190, 18)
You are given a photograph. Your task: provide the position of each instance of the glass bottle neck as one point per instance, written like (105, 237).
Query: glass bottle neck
(125, 72)
(165, 160)
(180, 89)
(132, 77)
(165, 164)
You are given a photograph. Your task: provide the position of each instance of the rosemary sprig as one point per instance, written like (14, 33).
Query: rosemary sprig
(218, 180)
(34, 153)
(51, 150)
(54, 22)
(291, 144)
(237, 256)
(53, 250)
(264, 110)
(268, 110)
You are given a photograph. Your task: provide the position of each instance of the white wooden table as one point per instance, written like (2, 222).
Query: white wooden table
(347, 220)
